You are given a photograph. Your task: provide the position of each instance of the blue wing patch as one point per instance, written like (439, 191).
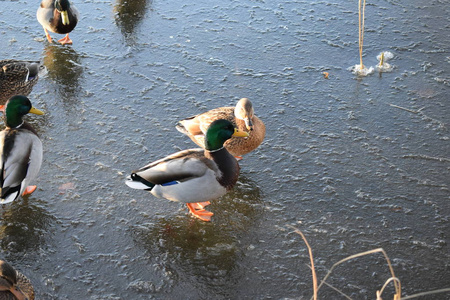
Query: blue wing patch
(170, 183)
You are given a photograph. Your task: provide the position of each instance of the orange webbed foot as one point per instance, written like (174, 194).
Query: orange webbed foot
(29, 189)
(238, 157)
(197, 209)
(65, 40)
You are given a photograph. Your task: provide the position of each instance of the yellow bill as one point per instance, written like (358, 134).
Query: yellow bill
(65, 17)
(36, 111)
(240, 133)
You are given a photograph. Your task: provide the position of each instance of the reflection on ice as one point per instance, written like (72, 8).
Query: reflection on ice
(128, 15)
(208, 253)
(65, 69)
(24, 226)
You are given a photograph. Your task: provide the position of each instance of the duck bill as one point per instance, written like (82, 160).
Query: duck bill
(65, 17)
(36, 111)
(248, 123)
(238, 133)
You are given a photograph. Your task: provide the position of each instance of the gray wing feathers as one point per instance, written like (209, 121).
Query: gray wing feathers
(23, 161)
(176, 167)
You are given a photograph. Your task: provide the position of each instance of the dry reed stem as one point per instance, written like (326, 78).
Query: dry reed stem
(337, 290)
(396, 296)
(422, 156)
(396, 284)
(361, 31)
(313, 270)
(381, 59)
(406, 109)
(426, 293)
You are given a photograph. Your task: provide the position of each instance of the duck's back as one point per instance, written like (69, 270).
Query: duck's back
(16, 78)
(20, 159)
(205, 119)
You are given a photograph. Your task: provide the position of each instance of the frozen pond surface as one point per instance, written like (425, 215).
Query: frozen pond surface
(356, 164)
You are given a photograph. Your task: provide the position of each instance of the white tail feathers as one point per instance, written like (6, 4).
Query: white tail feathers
(10, 198)
(136, 184)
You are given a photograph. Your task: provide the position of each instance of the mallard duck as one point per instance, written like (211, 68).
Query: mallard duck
(17, 77)
(242, 117)
(58, 16)
(20, 150)
(193, 176)
(13, 284)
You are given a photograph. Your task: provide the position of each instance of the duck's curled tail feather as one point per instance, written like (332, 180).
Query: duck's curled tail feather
(135, 181)
(8, 195)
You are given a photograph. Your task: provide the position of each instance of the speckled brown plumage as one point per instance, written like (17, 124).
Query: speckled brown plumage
(12, 279)
(17, 78)
(195, 127)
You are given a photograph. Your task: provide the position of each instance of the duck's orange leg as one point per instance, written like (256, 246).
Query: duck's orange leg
(200, 205)
(29, 189)
(65, 40)
(197, 209)
(49, 38)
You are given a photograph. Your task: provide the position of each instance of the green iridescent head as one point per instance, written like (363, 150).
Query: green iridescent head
(17, 107)
(219, 132)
